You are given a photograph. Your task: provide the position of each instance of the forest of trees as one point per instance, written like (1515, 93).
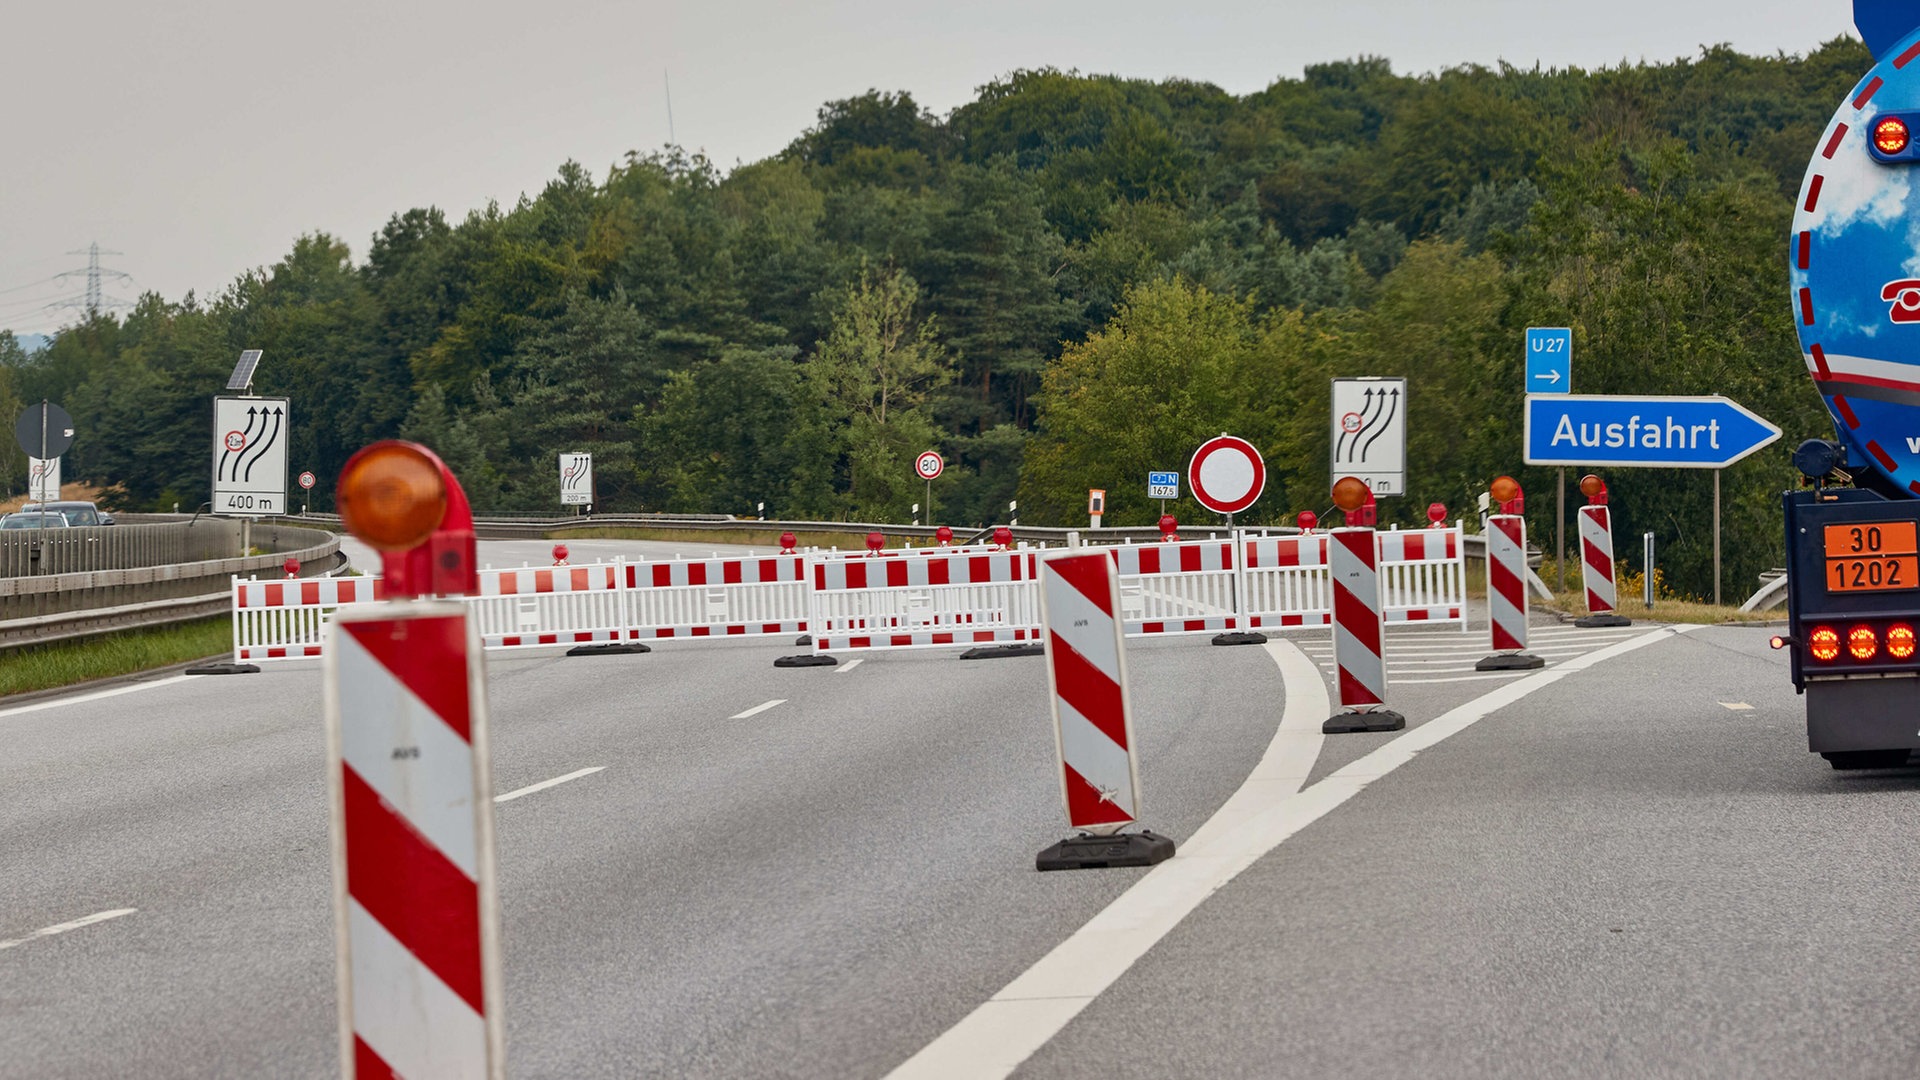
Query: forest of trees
(1063, 283)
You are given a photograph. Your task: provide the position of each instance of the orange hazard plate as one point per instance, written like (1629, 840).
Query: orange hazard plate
(1872, 555)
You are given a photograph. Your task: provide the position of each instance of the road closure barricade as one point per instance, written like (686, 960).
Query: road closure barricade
(283, 620)
(922, 599)
(904, 598)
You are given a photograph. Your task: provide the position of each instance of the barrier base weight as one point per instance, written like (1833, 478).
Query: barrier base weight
(1240, 638)
(1349, 722)
(803, 639)
(1510, 662)
(998, 652)
(608, 648)
(225, 667)
(1099, 852)
(806, 660)
(1589, 622)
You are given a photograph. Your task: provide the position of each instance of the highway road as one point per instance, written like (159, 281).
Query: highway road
(1623, 865)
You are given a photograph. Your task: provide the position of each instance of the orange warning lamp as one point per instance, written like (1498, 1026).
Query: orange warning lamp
(1352, 496)
(1595, 489)
(1506, 492)
(401, 499)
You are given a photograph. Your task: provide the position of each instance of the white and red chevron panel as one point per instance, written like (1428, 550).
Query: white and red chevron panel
(1087, 680)
(415, 915)
(1596, 560)
(1506, 581)
(1359, 625)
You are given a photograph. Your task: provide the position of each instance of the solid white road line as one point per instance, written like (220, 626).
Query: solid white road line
(81, 699)
(758, 709)
(96, 917)
(995, 1038)
(850, 665)
(545, 784)
(1736, 706)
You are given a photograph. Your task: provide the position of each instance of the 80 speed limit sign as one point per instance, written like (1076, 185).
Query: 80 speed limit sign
(930, 465)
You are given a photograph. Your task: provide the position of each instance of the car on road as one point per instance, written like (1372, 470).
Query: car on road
(76, 511)
(33, 519)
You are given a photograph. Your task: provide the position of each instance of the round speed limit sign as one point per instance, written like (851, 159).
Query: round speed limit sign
(930, 465)
(306, 480)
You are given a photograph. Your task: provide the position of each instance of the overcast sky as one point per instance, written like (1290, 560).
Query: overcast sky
(200, 139)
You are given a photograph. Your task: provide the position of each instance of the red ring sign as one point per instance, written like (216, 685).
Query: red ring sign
(930, 465)
(1227, 474)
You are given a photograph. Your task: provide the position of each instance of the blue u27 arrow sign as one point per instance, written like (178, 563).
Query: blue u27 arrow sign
(1644, 432)
(1549, 360)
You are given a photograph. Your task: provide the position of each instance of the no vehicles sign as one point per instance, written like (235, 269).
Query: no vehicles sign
(250, 456)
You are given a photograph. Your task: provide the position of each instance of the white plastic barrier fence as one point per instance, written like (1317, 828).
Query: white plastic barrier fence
(1185, 587)
(922, 600)
(558, 605)
(282, 620)
(1423, 575)
(743, 597)
(1285, 582)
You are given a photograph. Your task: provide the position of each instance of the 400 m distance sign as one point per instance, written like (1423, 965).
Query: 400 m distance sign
(250, 456)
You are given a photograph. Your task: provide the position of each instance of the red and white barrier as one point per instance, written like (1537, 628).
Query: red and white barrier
(929, 598)
(697, 598)
(1507, 594)
(1092, 715)
(285, 620)
(1185, 587)
(1597, 568)
(1423, 575)
(416, 919)
(1359, 632)
(1284, 582)
(558, 605)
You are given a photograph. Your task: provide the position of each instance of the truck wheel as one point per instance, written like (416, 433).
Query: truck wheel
(1867, 759)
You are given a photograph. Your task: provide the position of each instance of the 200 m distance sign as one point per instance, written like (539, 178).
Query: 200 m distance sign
(1227, 474)
(250, 456)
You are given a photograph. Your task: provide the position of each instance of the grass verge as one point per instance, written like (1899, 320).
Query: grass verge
(64, 663)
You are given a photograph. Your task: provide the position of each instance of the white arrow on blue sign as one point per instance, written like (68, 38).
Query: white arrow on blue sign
(1549, 360)
(1642, 432)
(1163, 485)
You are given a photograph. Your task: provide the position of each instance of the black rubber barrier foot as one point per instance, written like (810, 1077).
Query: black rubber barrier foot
(608, 648)
(224, 668)
(998, 652)
(1589, 622)
(803, 639)
(806, 660)
(1099, 852)
(1510, 662)
(1240, 638)
(1349, 722)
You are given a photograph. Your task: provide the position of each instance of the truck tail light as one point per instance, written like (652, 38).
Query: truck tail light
(1862, 642)
(1900, 641)
(1824, 643)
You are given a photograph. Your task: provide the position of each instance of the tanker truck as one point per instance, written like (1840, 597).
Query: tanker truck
(1853, 530)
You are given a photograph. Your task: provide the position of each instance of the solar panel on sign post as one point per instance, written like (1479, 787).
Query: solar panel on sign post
(242, 378)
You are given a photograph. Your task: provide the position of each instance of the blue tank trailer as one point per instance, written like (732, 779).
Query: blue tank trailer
(1853, 532)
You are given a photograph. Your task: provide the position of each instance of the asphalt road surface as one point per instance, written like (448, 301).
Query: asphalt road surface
(1624, 865)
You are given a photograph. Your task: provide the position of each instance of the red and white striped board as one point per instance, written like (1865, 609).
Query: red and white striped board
(1507, 581)
(416, 919)
(549, 605)
(1596, 560)
(1285, 581)
(1185, 587)
(1359, 634)
(1359, 626)
(936, 600)
(1087, 684)
(1423, 576)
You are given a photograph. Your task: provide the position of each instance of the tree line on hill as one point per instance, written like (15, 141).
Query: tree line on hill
(1062, 284)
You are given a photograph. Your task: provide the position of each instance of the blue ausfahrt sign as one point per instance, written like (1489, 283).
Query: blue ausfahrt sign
(1647, 432)
(1549, 360)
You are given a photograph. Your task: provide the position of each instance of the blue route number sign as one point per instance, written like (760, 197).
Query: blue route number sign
(1163, 485)
(1549, 360)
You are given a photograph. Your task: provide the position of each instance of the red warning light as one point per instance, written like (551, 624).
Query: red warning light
(1890, 135)
(1900, 641)
(1824, 643)
(1862, 642)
